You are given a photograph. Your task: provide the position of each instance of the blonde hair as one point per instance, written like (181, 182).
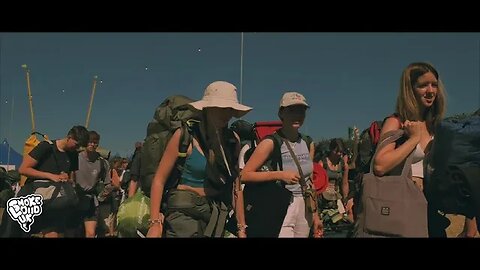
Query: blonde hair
(407, 106)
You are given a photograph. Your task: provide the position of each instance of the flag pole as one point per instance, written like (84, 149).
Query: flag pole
(30, 97)
(241, 70)
(91, 100)
(9, 134)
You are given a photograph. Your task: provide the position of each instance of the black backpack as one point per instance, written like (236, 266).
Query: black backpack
(454, 185)
(367, 145)
(244, 130)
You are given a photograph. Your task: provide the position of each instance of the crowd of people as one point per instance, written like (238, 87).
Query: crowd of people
(211, 181)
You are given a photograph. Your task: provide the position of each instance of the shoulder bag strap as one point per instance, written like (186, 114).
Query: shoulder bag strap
(302, 177)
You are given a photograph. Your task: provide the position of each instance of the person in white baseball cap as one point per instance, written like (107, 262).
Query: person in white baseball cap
(294, 150)
(293, 98)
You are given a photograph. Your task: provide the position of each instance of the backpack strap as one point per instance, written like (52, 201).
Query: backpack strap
(184, 144)
(276, 156)
(103, 169)
(302, 181)
(45, 137)
(186, 139)
(308, 140)
(187, 129)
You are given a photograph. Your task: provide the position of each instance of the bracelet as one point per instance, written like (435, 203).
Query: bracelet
(242, 227)
(155, 221)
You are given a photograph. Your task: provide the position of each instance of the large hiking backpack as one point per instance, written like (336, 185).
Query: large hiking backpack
(173, 113)
(452, 182)
(260, 131)
(367, 145)
(244, 130)
(266, 203)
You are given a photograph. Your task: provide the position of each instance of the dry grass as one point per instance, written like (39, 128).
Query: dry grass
(456, 226)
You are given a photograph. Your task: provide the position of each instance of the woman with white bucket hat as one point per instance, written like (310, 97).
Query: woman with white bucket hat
(208, 185)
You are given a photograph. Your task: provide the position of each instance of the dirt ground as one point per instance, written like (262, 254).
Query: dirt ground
(456, 226)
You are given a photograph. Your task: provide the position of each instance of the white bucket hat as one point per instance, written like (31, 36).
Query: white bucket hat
(221, 94)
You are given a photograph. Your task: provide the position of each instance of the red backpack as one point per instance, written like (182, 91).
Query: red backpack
(369, 138)
(374, 132)
(263, 129)
(320, 178)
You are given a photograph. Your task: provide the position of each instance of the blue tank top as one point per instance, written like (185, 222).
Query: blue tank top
(193, 172)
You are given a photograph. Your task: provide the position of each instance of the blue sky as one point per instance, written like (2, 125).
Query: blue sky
(347, 78)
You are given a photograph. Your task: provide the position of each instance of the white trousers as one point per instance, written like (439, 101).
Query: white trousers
(296, 224)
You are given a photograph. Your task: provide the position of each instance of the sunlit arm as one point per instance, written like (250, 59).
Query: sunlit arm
(258, 158)
(27, 169)
(389, 157)
(239, 209)
(164, 169)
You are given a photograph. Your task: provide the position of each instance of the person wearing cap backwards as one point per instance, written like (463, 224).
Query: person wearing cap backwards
(298, 220)
(197, 207)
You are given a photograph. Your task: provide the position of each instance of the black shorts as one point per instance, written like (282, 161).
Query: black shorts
(85, 212)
